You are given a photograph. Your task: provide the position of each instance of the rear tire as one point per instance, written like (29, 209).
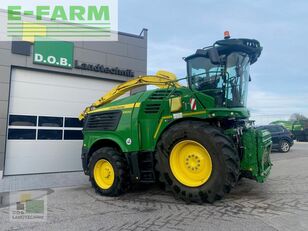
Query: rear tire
(109, 173)
(225, 163)
(284, 146)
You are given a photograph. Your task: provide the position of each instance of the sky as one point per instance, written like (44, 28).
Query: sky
(279, 85)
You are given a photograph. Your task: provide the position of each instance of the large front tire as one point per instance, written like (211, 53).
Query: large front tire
(109, 172)
(197, 161)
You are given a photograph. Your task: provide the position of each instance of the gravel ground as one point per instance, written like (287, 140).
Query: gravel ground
(281, 203)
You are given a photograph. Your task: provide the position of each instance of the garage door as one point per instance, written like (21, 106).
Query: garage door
(44, 134)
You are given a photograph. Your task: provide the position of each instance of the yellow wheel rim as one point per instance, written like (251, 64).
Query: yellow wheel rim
(190, 163)
(103, 174)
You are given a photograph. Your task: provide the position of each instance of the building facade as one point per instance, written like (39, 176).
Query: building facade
(43, 88)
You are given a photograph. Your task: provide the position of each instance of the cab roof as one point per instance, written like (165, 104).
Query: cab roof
(251, 47)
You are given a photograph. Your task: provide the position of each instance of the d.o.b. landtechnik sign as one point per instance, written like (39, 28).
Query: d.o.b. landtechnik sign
(54, 53)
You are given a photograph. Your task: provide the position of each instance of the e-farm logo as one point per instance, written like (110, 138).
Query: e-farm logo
(58, 13)
(91, 20)
(54, 53)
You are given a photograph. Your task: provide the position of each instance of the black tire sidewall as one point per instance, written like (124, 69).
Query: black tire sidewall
(217, 178)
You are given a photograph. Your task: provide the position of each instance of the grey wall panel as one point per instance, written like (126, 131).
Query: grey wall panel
(79, 44)
(4, 91)
(5, 45)
(137, 52)
(138, 73)
(5, 73)
(90, 56)
(3, 123)
(126, 62)
(2, 145)
(115, 48)
(7, 58)
(3, 109)
(1, 162)
(141, 42)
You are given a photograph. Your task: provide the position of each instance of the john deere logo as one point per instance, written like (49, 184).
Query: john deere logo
(56, 53)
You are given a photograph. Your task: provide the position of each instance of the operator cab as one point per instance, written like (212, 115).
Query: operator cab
(222, 70)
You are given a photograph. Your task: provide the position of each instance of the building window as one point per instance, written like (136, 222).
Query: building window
(45, 134)
(73, 135)
(21, 134)
(47, 121)
(36, 128)
(73, 123)
(22, 120)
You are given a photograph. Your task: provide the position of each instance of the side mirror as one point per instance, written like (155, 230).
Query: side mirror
(214, 56)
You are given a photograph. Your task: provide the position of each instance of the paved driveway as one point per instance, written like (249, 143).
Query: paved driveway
(279, 204)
